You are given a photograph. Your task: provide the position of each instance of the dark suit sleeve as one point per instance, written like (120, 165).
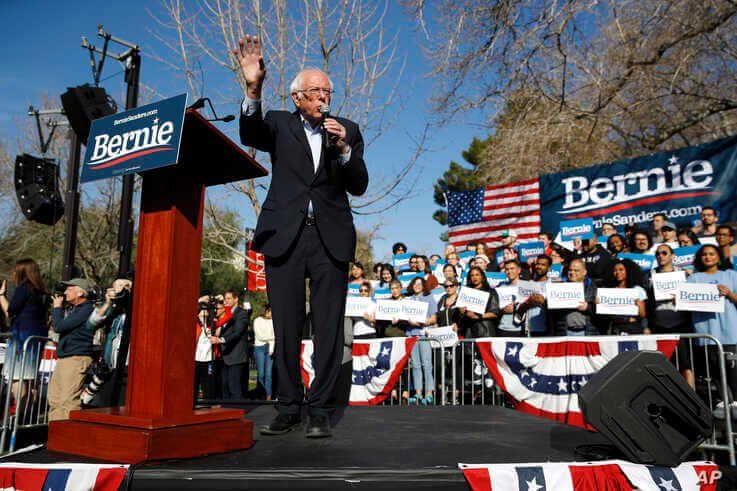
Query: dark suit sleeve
(257, 131)
(355, 175)
(235, 333)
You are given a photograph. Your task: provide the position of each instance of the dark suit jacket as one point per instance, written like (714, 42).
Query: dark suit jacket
(235, 334)
(294, 183)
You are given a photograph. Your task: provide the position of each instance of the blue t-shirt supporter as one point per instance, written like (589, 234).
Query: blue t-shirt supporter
(432, 309)
(721, 326)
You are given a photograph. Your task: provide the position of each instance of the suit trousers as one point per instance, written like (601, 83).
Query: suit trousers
(233, 381)
(285, 281)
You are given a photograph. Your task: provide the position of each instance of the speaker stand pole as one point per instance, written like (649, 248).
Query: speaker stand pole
(71, 210)
(125, 228)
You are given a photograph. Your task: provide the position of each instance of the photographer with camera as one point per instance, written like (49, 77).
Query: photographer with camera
(108, 319)
(74, 349)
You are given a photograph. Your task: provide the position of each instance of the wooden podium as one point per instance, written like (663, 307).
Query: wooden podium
(158, 420)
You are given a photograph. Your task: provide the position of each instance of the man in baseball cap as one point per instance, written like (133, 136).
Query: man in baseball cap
(74, 349)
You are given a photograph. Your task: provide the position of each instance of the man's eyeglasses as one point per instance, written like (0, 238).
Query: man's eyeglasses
(316, 91)
(363, 290)
(450, 286)
(663, 253)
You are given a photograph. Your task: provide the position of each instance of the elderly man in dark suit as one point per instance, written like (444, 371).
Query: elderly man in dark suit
(305, 229)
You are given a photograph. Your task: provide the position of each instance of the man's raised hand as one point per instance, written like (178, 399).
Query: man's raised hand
(252, 64)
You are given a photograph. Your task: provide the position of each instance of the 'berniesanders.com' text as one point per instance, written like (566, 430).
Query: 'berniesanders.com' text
(647, 216)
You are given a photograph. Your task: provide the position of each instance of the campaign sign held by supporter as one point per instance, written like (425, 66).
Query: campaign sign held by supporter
(413, 311)
(644, 261)
(473, 299)
(401, 261)
(354, 290)
(665, 285)
(556, 272)
(495, 278)
(137, 140)
(507, 295)
(683, 257)
(699, 297)
(405, 278)
(582, 228)
(526, 289)
(382, 294)
(531, 250)
(444, 335)
(357, 306)
(564, 295)
(465, 257)
(616, 301)
(387, 310)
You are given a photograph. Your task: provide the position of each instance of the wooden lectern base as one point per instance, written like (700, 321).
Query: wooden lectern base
(110, 434)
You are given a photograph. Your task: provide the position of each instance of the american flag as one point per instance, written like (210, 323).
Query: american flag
(377, 365)
(590, 476)
(61, 477)
(543, 376)
(484, 214)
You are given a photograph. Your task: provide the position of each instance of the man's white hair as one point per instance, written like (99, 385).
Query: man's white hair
(296, 86)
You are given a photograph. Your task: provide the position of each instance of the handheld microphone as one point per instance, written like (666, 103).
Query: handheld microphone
(325, 111)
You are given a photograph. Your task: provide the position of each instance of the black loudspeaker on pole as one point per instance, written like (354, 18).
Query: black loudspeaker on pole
(125, 227)
(71, 211)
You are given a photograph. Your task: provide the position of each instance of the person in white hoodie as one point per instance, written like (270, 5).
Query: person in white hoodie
(263, 348)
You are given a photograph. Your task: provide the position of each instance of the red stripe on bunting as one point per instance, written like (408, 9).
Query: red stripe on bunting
(478, 479)
(598, 477)
(30, 479)
(109, 479)
(361, 349)
(568, 348)
(667, 346)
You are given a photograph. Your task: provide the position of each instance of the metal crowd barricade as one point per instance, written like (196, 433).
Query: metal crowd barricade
(25, 406)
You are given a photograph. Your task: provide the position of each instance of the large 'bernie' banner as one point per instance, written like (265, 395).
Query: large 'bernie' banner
(678, 183)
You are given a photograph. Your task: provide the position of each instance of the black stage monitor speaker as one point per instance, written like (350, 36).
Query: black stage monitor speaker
(36, 186)
(643, 405)
(84, 104)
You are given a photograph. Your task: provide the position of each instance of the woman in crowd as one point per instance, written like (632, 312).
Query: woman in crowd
(387, 275)
(453, 260)
(640, 242)
(662, 316)
(423, 266)
(474, 325)
(263, 348)
(720, 325)
(422, 368)
(358, 274)
(394, 328)
(378, 268)
(623, 275)
(449, 272)
(687, 238)
(27, 310)
(449, 315)
(449, 249)
(364, 327)
(482, 250)
(615, 244)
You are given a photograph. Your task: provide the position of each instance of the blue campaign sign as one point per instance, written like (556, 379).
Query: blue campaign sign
(644, 261)
(401, 261)
(582, 228)
(678, 183)
(137, 140)
(496, 278)
(354, 290)
(683, 256)
(382, 294)
(530, 250)
(466, 256)
(555, 272)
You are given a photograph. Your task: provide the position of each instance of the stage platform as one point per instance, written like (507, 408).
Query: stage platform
(376, 447)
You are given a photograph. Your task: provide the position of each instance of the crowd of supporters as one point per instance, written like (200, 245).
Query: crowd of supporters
(598, 262)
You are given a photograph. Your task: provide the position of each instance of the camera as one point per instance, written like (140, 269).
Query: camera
(100, 374)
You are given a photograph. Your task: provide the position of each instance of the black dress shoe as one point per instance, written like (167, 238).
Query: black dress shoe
(283, 423)
(318, 427)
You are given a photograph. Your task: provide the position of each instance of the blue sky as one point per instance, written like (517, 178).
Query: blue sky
(42, 55)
